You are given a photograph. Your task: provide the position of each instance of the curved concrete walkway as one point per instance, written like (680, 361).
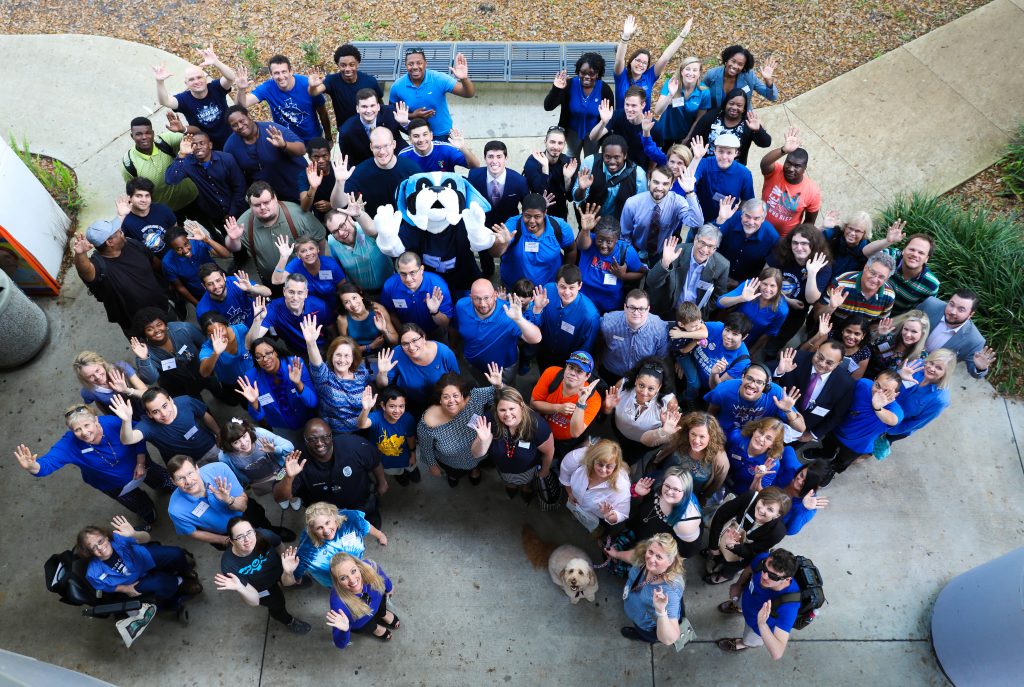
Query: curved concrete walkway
(474, 613)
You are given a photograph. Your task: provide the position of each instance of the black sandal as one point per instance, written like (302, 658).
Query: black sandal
(386, 637)
(475, 480)
(721, 579)
(394, 624)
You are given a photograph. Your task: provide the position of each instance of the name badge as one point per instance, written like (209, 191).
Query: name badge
(568, 328)
(88, 450)
(200, 508)
(168, 364)
(746, 89)
(717, 197)
(531, 246)
(524, 444)
(678, 102)
(883, 347)
(610, 279)
(325, 275)
(616, 337)
(103, 576)
(192, 432)
(266, 399)
(400, 303)
(820, 411)
(265, 592)
(183, 349)
(704, 284)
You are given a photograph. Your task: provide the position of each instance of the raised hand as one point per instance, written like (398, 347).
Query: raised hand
(174, 124)
(816, 263)
(789, 398)
(402, 113)
(686, 28)
(984, 358)
(885, 326)
(751, 290)
(242, 79)
(315, 79)
(295, 370)
(673, 86)
(660, 600)
(122, 526)
(26, 459)
(355, 206)
(339, 621)
(221, 489)
(250, 391)
(836, 297)
(687, 180)
(585, 179)
(501, 233)
(569, 168)
(643, 487)
(670, 418)
(81, 245)
(292, 465)
(194, 231)
(228, 583)
(290, 559)
(434, 300)
(460, 70)
(881, 397)
(275, 137)
(514, 309)
(586, 391)
(493, 374)
(787, 361)
(160, 72)
(720, 366)
(386, 360)
(670, 250)
(219, 338)
(753, 120)
(483, 429)
(768, 68)
(814, 502)
(589, 217)
(341, 169)
(727, 207)
(909, 368)
(605, 110)
(259, 308)
(766, 467)
(561, 79)
(792, 139)
(647, 123)
(314, 176)
(825, 324)
(185, 147)
(698, 147)
(540, 299)
(208, 55)
(542, 159)
(369, 399)
(831, 219)
(457, 138)
(232, 229)
(629, 28)
(121, 408)
(380, 321)
(894, 234)
(267, 446)
(310, 329)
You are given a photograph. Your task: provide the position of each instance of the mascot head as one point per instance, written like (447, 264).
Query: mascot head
(434, 201)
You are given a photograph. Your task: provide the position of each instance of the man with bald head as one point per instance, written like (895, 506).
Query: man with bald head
(376, 179)
(491, 328)
(204, 101)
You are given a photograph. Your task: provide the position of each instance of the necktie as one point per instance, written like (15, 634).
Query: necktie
(654, 232)
(495, 192)
(811, 386)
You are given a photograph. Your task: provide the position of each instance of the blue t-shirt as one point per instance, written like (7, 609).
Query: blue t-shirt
(151, 229)
(207, 113)
(707, 356)
(187, 269)
(104, 466)
(391, 439)
(755, 596)
(493, 339)
(229, 367)
(714, 183)
(236, 306)
(411, 306)
(639, 603)
(764, 319)
(207, 513)
(324, 284)
(429, 94)
(533, 258)
(624, 80)
(316, 560)
(599, 282)
(261, 161)
(187, 434)
(288, 325)
(862, 427)
(742, 465)
(735, 411)
(418, 381)
(295, 109)
(443, 157)
(676, 121)
(102, 395)
(569, 328)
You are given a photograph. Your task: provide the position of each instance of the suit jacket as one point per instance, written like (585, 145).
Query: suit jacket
(835, 397)
(666, 286)
(965, 343)
(354, 142)
(512, 194)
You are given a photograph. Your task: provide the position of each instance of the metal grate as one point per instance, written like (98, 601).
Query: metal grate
(534, 62)
(487, 61)
(439, 56)
(379, 59)
(605, 50)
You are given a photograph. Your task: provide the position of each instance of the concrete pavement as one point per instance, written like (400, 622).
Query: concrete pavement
(474, 612)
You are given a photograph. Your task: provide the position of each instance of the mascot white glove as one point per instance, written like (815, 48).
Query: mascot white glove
(480, 237)
(387, 222)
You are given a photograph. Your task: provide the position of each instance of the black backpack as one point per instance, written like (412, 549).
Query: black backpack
(158, 143)
(811, 595)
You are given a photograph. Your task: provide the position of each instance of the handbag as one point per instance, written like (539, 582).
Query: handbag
(586, 518)
(686, 634)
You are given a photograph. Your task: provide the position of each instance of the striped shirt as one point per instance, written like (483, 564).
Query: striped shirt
(879, 305)
(910, 293)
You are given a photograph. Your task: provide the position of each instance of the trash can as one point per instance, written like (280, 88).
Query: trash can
(23, 325)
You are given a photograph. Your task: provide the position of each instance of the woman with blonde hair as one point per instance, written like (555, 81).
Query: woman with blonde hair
(520, 444)
(699, 449)
(596, 481)
(760, 299)
(925, 398)
(100, 380)
(359, 600)
(653, 595)
(330, 531)
(898, 340)
(755, 451)
(683, 101)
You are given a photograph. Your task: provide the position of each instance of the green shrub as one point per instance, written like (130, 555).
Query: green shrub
(1012, 165)
(311, 53)
(977, 249)
(60, 182)
(250, 54)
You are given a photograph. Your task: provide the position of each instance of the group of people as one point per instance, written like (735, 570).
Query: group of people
(709, 358)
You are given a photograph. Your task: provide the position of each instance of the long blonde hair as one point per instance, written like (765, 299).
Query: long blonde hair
(667, 542)
(921, 318)
(315, 511)
(86, 358)
(368, 571)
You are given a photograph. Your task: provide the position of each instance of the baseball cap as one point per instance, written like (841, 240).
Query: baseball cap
(582, 360)
(727, 141)
(99, 232)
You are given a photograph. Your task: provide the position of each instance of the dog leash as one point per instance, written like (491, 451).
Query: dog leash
(607, 560)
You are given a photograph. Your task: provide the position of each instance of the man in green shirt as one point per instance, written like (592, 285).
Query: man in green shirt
(150, 157)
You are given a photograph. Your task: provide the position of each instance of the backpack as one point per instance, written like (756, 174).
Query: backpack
(521, 229)
(811, 595)
(158, 143)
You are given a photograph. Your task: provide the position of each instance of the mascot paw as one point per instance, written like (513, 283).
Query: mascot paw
(480, 237)
(387, 222)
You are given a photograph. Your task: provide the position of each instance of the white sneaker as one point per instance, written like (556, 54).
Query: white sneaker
(283, 504)
(296, 504)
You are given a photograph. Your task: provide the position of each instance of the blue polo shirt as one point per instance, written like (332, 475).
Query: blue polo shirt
(207, 513)
(411, 306)
(624, 80)
(531, 257)
(186, 434)
(324, 284)
(862, 426)
(713, 184)
(443, 157)
(429, 94)
(418, 380)
(735, 411)
(187, 269)
(236, 306)
(706, 356)
(599, 282)
(742, 465)
(755, 596)
(104, 466)
(493, 339)
(288, 326)
(746, 254)
(764, 319)
(261, 161)
(569, 328)
(295, 109)
(229, 367)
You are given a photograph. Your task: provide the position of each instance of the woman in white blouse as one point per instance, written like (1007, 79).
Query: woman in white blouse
(596, 481)
(646, 411)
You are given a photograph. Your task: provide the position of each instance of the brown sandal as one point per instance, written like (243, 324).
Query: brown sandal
(729, 607)
(731, 644)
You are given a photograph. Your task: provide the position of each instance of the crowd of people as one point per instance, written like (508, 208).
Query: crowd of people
(710, 358)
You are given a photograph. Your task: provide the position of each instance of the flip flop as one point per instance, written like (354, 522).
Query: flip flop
(729, 607)
(731, 644)
(715, 579)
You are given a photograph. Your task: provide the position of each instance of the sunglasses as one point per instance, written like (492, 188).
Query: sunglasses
(75, 410)
(774, 577)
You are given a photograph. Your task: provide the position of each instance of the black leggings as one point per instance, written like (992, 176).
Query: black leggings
(274, 601)
(377, 619)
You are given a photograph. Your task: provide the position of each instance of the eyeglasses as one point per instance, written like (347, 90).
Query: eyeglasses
(99, 545)
(671, 490)
(410, 342)
(182, 479)
(243, 536)
(638, 308)
(75, 410)
(707, 244)
(264, 356)
(753, 380)
(823, 361)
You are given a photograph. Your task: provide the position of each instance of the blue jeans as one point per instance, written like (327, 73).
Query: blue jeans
(689, 367)
(162, 581)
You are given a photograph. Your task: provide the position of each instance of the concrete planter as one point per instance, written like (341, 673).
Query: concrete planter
(23, 325)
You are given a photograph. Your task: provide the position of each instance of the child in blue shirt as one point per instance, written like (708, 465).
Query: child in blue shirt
(723, 352)
(393, 432)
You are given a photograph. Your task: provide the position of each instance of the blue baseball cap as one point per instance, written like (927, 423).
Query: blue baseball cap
(582, 360)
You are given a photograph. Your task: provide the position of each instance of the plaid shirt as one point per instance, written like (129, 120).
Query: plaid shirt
(879, 305)
(910, 293)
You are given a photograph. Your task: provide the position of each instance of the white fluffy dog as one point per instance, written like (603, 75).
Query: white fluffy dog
(570, 569)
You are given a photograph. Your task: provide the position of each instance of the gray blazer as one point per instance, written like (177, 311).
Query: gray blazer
(965, 343)
(666, 286)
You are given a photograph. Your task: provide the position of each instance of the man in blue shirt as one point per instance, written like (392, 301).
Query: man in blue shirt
(650, 218)
(230, 296)
(611, 179)
(216, 176)
(569, 320)
(533, 245)
(769, 605)
(204, 102)
(287, 94)
(172, 425)
(720, 175)
(344, 86)
(440, 156)
(735, 402)
(423, 90)
(747, 238)
(491, 328)
(146, 222)
(415, 295)
(630, 335)
(285, 314)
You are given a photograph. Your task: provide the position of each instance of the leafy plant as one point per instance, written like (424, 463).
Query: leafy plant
(250, 54)
(60, 182)
(977, 249)
(311, 53)
(450, 31)
(1012, 165)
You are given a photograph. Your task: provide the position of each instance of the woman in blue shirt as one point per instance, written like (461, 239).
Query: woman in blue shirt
(282, 396)
(653, 595)
(924, 397)
(760, 299)
(684, 100)
(737, 71)
(339, 387)
(331, 531)
(188, 250)
(637, 70)
(359, 600)
(608, 263)
(322, 272)
(753, 452)
(578, 100)
(848, 242)
(416, 366)
(226, 353)
(100, 381)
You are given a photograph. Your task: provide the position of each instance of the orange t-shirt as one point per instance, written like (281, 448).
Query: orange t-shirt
(787, 202)
(559, 422)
